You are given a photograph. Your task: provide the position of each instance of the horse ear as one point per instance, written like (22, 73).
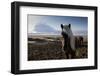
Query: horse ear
(62, 26)
(69, 25)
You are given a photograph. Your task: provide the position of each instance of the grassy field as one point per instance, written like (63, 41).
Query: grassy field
(47, 48)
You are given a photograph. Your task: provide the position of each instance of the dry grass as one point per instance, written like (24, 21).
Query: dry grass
(48, 48)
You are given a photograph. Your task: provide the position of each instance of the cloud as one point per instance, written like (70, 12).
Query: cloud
(44, 28)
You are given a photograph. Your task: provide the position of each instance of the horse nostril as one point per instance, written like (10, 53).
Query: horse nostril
(64, 34)
(67, 35)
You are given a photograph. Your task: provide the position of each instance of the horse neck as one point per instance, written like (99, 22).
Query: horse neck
(67, 41)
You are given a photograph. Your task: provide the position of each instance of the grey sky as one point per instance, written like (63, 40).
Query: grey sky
(51, 24)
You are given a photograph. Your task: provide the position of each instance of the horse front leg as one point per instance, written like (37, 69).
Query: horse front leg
(70, 54)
